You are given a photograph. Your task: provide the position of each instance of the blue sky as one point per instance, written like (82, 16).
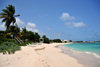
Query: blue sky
(64, 19)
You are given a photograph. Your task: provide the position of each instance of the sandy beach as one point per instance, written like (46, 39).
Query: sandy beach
(49, 33)
(45, 55)
(38, 56)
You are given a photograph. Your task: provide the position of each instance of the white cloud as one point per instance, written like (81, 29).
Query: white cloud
(66, 16)
(2, 26)
(75, 24)
(70, 21)
(35, 30)
(19, 22)
(31, 27)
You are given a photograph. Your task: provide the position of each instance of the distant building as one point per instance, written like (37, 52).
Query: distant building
(66, 41)
(41, 40)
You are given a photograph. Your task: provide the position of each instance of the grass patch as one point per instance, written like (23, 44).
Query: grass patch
(9, 47)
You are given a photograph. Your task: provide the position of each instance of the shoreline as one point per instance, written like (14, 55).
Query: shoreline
(87, 52)
(86, 59)
(45, 55)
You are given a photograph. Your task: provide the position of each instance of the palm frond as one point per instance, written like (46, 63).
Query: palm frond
(5, 19)
(16, 15)
(8, 15)
(11, 8)
(3, 16)
(6, 11)
(7, 24)
(14, 20)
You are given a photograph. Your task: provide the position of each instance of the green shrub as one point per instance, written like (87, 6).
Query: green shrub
(2, 39)
(57, 41)
(46, 40)
(9, 47)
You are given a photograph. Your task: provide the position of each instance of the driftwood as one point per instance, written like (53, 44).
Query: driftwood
(39, 48)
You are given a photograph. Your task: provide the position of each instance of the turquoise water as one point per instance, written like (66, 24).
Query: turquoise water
(85, 47)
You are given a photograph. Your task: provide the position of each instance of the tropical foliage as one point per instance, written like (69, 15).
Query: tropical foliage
(14, 31)
(56, 41)
(46, 40)
(9, 47)
(12, 38)
(29, 35)
(8, 15)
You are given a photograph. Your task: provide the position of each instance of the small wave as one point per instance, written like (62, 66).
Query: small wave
(96, 55)
(78, 51)
(88, 52)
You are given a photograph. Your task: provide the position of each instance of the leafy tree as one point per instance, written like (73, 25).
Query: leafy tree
(57, 40)
(8, 16)
(24, 33)
(79, 41)
(14, 30)
(46, 40)
(30, 36)
(1, 33)
(36, 37)
(1, 36)
(70, 40)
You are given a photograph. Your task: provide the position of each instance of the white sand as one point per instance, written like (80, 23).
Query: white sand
(39, 57)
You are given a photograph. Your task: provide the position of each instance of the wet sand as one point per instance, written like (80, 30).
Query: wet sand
(87, 60)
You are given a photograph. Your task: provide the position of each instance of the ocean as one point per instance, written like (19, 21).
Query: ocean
(89, 48)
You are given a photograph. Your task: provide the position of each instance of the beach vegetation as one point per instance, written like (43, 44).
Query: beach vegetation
(12, 38)
(8, 16)
(46, 40)
(36, 37)
(79, 41)
(70, 41)
(13, 31)
(9, 47)
(57, 40)
(29, 35)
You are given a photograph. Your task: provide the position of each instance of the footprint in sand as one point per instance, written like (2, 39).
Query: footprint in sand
(18, 58)
(8, 63)
(1, 65)
(42, 60)
(48, 65)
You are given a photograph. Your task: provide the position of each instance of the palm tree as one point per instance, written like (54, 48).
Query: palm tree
(8, 16)
(14, 30)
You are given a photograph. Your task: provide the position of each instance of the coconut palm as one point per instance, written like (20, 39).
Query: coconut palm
(8, 16)
(14, 30)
